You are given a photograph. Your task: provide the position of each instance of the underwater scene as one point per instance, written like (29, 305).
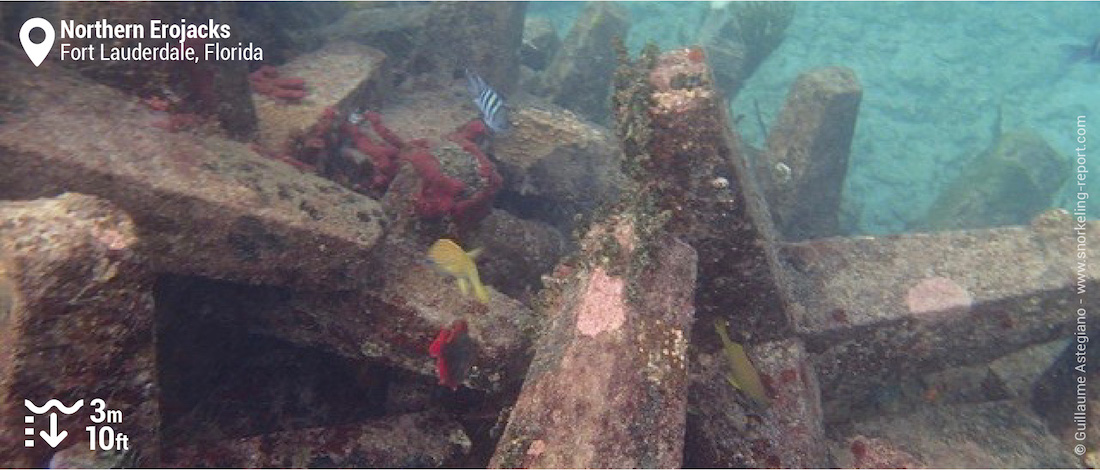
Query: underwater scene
(639, 234)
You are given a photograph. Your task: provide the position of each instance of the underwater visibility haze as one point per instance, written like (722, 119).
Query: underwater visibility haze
(548, 234)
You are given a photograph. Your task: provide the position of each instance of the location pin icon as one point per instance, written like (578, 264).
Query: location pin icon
(37, 52)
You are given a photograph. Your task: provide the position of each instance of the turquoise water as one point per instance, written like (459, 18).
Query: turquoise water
(933, 75)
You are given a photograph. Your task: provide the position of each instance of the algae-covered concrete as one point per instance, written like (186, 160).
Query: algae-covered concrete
(76, 325)
(342, 76)
(876, 308)
(803, 169)
(578, 77)
(608, 384)
(415, 440)
(679, 145)
(207, 206)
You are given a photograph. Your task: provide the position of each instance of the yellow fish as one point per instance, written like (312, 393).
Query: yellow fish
(743, 375)
(451, 259)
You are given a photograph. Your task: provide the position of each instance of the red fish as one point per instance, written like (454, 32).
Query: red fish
(453, 351)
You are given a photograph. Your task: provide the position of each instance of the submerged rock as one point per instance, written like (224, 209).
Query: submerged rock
(579, 76)
(205, 205)
(417, 440)
(1009, 183)
(76, 324)
(803, 169)
(540, 43)
(557, 166)
(608, 384)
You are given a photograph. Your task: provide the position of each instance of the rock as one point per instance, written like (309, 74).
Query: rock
(80, 455)
(204, 205)
(579, 76)
(217, 88)
(392, 321)
(878, 453)
(802, 171)
(726, 429)
(343, 77)
(557, 166)
(76, 322)
(408, 441)
(608, 385)
(392, 28)
(682, 147)
(540, 42)
(739, 36)
(678, 144)
(1009, 183)
(872, 309)
(516, 253)
(956, 436)
(1021, 371)
(482, 37)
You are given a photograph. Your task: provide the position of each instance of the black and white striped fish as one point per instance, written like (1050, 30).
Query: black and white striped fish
(493, 111)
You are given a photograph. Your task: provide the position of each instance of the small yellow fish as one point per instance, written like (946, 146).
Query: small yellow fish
(743, 375)
(451, 259)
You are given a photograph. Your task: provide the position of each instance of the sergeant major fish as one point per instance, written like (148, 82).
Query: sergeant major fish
(493, 112)
(451, 259)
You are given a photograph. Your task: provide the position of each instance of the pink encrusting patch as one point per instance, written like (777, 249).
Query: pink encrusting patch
(937, 294)
(602, 307)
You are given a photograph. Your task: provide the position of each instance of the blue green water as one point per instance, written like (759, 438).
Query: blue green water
(933, 73)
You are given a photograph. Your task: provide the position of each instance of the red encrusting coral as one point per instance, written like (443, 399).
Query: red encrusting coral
(384, 155)
(440, 194)
(476, 207)
(454, 354)
(266, 81)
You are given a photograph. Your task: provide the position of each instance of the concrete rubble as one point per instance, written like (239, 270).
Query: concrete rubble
(608, 384)
(803, 168)
(787, 434)
(629, 369)
(516, 253)
(694, 159)
(76, 325)
(343, 76)
(875, 308)
(578, 77)
(540, 42)
(998, 434)
(557, 166)
(1014, 179)
(417, 440)
(396, 319)
(483, 37)
(687, 154)
(208, 206)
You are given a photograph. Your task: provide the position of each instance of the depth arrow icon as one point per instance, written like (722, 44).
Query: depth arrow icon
(53, 438)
